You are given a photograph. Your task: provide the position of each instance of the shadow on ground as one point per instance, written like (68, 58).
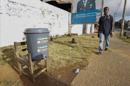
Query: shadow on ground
(43, 80)
(9, 57)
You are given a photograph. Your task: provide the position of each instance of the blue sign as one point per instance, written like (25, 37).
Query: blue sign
(85, 12)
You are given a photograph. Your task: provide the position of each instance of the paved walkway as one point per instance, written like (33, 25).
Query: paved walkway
(110, 69)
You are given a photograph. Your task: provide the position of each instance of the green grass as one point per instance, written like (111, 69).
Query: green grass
(10, 83)
(6, 55)
(62, 52)
(125, 39)
(6, 83)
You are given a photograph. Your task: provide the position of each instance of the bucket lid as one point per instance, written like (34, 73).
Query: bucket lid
(36, 30)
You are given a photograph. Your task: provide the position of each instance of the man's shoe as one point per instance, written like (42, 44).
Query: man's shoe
(100, 52)
(106, 49)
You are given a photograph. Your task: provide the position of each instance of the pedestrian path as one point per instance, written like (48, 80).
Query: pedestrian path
(110, 69)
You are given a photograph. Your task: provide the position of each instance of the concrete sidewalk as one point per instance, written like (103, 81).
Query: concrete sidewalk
(110, 69)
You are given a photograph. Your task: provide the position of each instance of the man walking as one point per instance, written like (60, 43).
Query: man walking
(105, 30)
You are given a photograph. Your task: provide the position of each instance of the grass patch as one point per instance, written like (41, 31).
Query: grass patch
(63, 53)
(6, 55)
(6, 83)
(125, 39)
(10, 83)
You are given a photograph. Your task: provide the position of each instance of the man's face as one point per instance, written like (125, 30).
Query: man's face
(106, 11)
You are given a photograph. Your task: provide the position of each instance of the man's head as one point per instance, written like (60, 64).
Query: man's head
(106, 10)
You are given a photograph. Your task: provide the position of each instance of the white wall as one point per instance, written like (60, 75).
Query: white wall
(17, 15)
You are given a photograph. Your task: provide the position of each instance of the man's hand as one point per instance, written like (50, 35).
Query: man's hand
(98, 35)
(111, 34)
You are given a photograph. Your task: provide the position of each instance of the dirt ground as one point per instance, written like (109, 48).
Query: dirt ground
(110, 69)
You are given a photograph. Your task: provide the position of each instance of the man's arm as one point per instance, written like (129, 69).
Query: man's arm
(112, 25)
(99, 26)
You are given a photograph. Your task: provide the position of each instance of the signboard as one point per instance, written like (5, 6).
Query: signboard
(84, 11)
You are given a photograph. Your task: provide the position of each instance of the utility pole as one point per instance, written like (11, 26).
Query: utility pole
(84, 31)
(69, 24)
(69, 19)
(102, 7)
(123, 19)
